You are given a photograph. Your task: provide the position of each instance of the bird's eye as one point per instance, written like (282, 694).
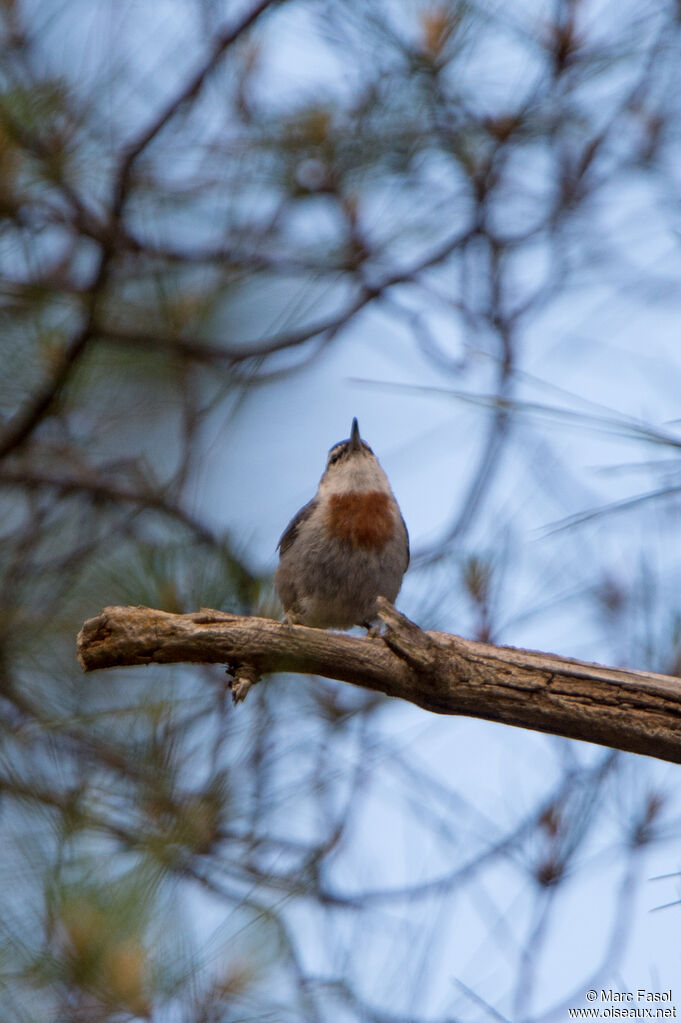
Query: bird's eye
(334, 458)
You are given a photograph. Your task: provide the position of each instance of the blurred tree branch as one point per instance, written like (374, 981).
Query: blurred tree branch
(634, 711)
(105, 490)
(17, 431)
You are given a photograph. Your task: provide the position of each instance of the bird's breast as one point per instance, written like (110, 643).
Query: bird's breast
(363, 520)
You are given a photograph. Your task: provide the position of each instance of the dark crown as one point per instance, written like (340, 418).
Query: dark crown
(354, 445)
(342, 450)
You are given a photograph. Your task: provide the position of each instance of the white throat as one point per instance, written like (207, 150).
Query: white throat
(359, 474)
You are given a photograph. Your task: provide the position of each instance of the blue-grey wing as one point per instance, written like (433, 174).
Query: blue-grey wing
(291, 531)
(406, 534)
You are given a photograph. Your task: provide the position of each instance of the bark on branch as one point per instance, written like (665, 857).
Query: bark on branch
(635, 711)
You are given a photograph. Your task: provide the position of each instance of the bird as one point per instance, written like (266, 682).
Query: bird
(346, 546)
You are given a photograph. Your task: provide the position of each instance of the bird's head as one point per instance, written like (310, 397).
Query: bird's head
(352, 466)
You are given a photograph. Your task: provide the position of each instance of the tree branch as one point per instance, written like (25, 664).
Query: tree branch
(188, 91)
(91, 484)
(635, 711)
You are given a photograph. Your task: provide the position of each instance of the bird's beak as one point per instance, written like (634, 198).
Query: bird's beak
(355, 440)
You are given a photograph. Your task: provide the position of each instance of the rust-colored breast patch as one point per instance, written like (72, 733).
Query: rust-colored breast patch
(363, 520)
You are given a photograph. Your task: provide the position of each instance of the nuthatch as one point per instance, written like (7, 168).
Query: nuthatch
(346, 547)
